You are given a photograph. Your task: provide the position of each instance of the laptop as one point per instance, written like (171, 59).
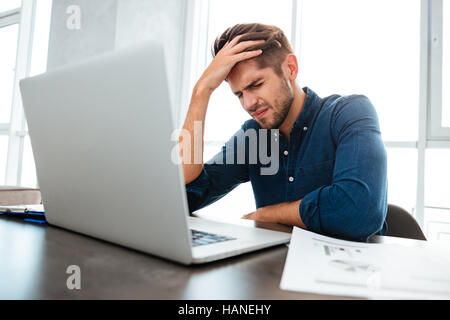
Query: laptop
(102, 136)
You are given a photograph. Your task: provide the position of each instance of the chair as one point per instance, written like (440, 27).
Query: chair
(402, 224)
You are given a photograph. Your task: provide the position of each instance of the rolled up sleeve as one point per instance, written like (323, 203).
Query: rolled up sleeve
(354, 206)
(217, 177)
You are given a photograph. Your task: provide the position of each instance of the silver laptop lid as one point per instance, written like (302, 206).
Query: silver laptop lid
(101, 137)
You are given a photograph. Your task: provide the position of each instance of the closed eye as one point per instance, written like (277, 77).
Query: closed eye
(253, 85)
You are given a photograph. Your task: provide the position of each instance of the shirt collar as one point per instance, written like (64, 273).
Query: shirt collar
(308, 110)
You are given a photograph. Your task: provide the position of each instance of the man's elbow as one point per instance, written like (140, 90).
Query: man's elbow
(353, 211)
(366, 218)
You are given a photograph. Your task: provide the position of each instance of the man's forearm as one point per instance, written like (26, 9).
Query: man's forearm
(232, 53)
(289, 214)
(192, 165)
(285, 213)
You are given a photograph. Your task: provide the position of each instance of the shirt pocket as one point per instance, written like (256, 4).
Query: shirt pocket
(315, 176)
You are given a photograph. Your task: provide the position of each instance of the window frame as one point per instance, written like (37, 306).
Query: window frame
(436, 132)
(8, 18)
(15, 129)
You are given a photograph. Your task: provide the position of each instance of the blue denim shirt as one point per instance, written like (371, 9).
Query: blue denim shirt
(334, 161)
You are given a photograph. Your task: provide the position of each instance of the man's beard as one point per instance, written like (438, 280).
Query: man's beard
(281, 108)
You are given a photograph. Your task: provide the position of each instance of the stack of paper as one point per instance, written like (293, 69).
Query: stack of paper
(23, 208)
(325, 265)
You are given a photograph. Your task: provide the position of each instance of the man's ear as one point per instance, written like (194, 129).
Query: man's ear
(291, 67)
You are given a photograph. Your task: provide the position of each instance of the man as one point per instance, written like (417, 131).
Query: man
(332, 176)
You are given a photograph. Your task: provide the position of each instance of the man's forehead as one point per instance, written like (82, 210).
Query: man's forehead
(245, 73)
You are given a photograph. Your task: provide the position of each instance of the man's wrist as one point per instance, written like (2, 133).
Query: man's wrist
(202, 90)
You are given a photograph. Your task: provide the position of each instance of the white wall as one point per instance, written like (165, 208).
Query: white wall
(160, 20)
(96, 35)
(110, 24)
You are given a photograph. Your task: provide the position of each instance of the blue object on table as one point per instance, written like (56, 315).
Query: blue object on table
(35, 221)
(27, 216)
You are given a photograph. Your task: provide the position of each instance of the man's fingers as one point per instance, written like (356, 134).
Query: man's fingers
(230, 44)
(246, 55)
(244, 45)
(247, 216)
(235, 40)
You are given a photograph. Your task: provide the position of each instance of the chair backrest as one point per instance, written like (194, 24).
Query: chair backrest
(402, 224)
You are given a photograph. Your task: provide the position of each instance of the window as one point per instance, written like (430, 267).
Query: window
(7, 5)
(437, 180)
(437, 224)
(8, 39)
(436, 171)
(24, 31)
(28, 166)
(354, 46)
(439, 73)
(402, 177)
(9, 35)
(446, 65)
(3, 154)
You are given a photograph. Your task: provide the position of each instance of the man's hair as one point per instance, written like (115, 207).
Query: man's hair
(275, 49)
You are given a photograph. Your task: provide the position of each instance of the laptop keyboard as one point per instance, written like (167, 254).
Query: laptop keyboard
(200, 238)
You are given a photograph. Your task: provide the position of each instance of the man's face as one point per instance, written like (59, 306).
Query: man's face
(265, 95)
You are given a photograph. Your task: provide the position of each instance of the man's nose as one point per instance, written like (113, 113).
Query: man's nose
(249, 102)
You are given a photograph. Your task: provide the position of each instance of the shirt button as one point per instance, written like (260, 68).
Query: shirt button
(286, 153)
(291, 179)
(305, 128)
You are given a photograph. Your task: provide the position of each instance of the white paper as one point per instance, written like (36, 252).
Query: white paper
(23, 208)
(325, 265)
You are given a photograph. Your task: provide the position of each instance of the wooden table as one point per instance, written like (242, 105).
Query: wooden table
(35, 258)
